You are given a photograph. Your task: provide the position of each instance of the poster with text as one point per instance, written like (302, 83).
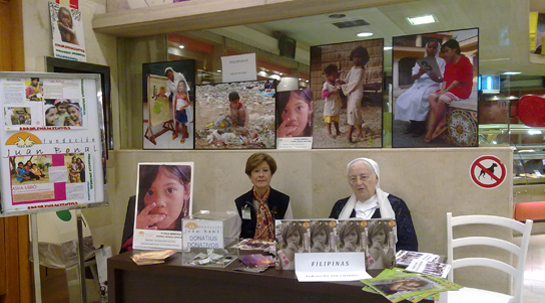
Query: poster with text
(169, 98)
(164, 195)
(67, 32)
(346, 81)
(436, 107)
(51, 142)
(44, 104)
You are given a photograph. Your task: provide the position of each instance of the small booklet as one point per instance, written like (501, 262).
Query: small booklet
(152, 257)
(405, 257)
(255, 263)
(429, 268)
(251, 244)
(429, 64)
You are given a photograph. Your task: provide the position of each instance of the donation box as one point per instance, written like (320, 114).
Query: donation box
(206, 236)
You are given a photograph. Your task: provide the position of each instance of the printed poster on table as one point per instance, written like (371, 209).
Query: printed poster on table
(67, 32)
(164, 196)
(51, 141)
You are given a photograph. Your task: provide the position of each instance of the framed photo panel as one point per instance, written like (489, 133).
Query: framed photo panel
(435, 91)
(236, 115)
(168, 109)
(347, 82)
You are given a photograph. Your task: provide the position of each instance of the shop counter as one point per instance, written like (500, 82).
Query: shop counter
(172, 282)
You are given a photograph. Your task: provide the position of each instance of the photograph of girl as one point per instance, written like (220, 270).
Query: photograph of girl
(295, 112)
(381, 245)
(164, 196)
(322, 235)
(351, 236)
(346, 80)
(292, 237)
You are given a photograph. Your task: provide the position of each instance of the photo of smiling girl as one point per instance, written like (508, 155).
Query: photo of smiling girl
(164, 196)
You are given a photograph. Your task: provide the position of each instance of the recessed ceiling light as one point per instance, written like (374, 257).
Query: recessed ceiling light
(181, 46)
(511, 73)
(365, 34)
(337, 16)
(422, 19)
(219, 71)
(387, 48)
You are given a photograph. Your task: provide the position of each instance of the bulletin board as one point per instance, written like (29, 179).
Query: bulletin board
(52, 135)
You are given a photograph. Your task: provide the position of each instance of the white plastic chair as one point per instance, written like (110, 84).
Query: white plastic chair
(468, 295)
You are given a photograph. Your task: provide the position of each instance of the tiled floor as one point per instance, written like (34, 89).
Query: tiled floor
(534, 276)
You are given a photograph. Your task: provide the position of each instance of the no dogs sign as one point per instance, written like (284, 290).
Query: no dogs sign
(488, 172)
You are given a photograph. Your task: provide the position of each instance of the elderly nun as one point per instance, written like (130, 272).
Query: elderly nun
(369, 201)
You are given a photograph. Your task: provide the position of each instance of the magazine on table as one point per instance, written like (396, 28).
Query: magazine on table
(405, 257)
(396, 285)
(429, 268)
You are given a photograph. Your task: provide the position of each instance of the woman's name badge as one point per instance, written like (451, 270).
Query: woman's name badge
(246, 213)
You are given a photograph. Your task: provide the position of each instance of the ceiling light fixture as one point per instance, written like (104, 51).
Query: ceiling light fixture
(181, 46)
(422, 19)
(511, 73)
(387, 48)
(364, 34)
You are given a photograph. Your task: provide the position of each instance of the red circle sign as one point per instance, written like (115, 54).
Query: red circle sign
(488, 171)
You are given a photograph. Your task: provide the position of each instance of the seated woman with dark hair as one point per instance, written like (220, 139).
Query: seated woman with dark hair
(457, 85)
(259, 207)
(369, 201)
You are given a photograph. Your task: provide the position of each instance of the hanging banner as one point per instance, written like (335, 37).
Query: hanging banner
(67, 32)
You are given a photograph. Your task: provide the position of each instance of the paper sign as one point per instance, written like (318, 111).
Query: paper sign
(323, 267)
(238, 68)
(202, 234)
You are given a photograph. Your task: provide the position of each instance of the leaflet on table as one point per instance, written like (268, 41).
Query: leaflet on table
(49, 177)
(405, 257)
(429, 268)
(43, 104)
(396, 285)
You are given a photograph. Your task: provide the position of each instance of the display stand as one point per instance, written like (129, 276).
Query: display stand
(81, 257)
(36, 257)
(66, 158)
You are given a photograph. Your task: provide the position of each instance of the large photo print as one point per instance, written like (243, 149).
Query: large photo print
(236, 115)
(347, 85)
(164, 196)
(169, 96)
(435, 95)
